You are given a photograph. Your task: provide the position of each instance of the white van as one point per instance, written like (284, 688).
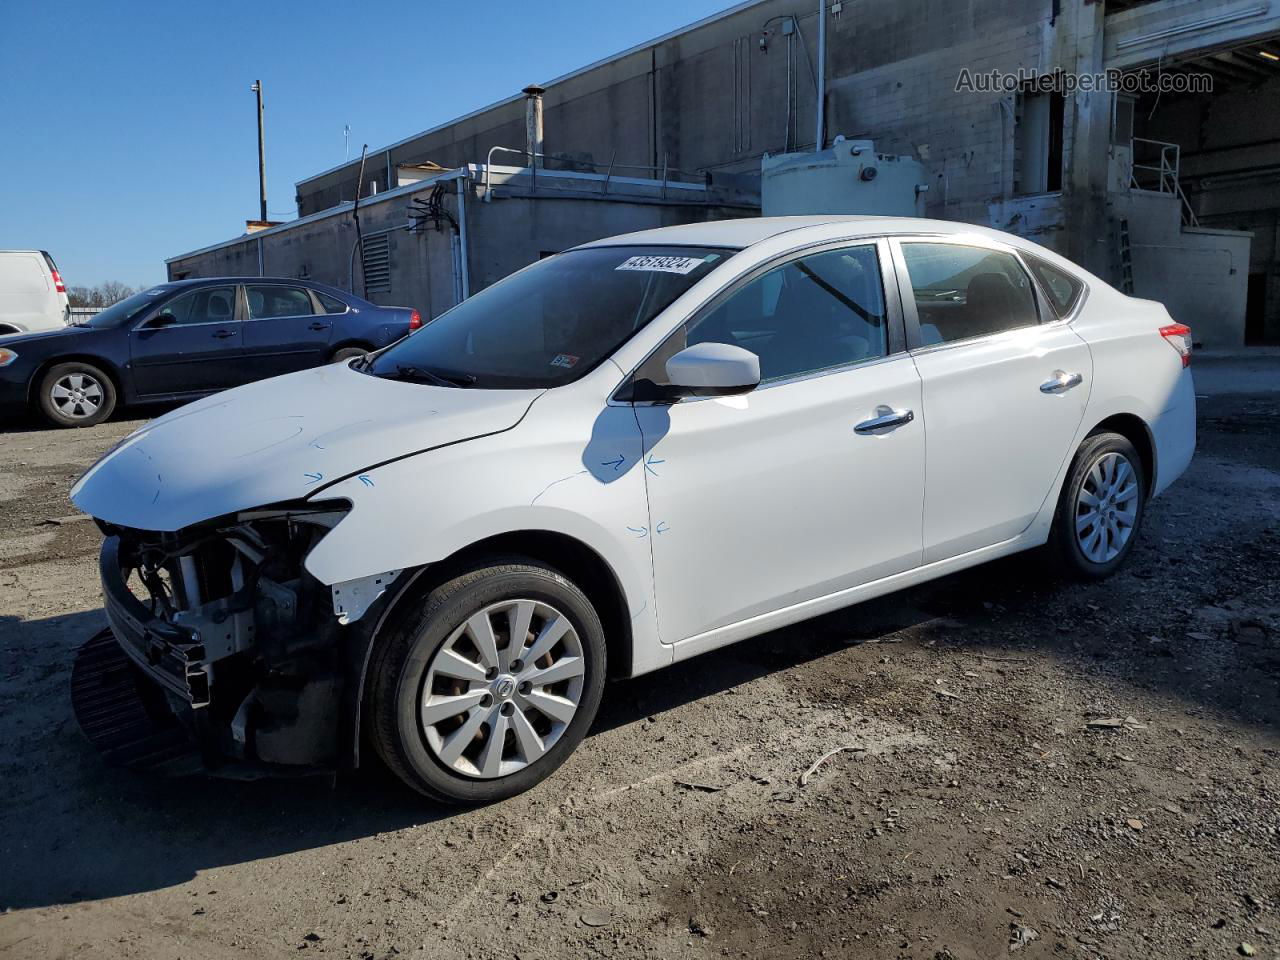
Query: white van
(32, 294)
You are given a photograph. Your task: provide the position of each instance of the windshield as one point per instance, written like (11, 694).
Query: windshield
(125, 310)
(552, 322)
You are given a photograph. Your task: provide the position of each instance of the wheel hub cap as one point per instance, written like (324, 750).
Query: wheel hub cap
(1107, 508)
(76, 395)
(502, 689)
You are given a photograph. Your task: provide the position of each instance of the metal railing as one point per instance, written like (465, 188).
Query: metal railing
(75, 314)
(1160, 172)
(668, 173)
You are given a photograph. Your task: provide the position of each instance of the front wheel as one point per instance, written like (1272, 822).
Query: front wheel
(1100, 509)
(484, 687)
(76, 394)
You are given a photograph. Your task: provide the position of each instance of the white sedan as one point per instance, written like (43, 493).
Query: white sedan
(616, 459)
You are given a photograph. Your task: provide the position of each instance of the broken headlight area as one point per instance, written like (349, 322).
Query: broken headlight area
(226, 621)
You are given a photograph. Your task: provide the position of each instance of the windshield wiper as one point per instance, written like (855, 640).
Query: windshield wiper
(406, 371)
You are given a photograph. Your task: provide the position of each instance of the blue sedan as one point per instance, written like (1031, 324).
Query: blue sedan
(182, 340)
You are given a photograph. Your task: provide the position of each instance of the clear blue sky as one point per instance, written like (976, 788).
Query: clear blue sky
(129, 127)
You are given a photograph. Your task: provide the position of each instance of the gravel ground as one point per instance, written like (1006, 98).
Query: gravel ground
(979, 808)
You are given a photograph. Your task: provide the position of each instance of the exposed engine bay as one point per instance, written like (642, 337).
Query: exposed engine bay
(250, 649)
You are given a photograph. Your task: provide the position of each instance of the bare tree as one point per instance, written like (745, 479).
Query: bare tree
(103, 295)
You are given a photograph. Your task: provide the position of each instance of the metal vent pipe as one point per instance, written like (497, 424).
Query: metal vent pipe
(533, 122)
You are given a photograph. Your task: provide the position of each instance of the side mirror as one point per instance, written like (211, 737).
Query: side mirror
(162, 319)
(712, 370)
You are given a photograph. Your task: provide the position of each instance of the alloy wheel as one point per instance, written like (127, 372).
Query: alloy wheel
(77, 395)
(1107, 508)
(501, 690)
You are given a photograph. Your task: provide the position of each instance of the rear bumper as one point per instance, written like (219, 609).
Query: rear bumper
(1174, 435)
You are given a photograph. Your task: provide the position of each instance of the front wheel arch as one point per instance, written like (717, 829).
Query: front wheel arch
(106, 366)
(574, 559)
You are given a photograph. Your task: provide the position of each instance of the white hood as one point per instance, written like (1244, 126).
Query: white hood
(280, 439)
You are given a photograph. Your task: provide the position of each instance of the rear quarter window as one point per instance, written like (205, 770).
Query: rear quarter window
(1062, 289)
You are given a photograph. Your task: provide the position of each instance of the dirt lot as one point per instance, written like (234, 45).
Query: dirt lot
(978, 813)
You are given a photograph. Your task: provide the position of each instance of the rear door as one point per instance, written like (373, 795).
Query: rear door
(191, 344)
(285, 330)
(1005, 385)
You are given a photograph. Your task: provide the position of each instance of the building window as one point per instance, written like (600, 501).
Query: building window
(375, 260)
(1038, 143)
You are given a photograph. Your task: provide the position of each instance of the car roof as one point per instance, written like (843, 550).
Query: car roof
(739, 234)
(297, 281)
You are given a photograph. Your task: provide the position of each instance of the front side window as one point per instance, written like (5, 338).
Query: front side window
(814, 313)
(206, 305)
(963, 292)
(552, 322)
(268, 301)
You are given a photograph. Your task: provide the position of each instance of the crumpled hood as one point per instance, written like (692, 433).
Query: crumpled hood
(280, 439)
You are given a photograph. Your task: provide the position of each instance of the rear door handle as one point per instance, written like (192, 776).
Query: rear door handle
(318, 326)
(1061, 382)
(223, 334)
(895, 418)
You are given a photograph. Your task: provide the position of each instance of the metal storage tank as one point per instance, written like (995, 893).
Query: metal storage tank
(848, 177)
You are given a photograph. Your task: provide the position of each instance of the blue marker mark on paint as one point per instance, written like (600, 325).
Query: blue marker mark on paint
(314, 477)
(616, 464)
(367, 481)
(661, 527)
(640, 532)
(651, 463)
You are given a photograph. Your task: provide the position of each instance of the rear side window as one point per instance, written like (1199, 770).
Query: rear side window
(962, 292)
(330, 304)
(1062, 288)
(268, 301)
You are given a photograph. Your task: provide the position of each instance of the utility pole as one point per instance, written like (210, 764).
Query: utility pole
(821, 131)
(262, 156)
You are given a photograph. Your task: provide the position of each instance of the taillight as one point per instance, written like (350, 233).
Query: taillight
(57, 282)
(415, 321)
(1178, 336)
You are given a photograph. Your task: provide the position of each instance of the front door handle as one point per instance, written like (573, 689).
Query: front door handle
(894, 418)
(223, 334)
(318, 326)
(1061, 382)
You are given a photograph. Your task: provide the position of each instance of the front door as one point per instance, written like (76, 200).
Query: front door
(190, 345)
(810, 484)
(283, 332)
(1005, 386)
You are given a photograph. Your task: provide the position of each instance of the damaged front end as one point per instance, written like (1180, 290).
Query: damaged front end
(226, 632)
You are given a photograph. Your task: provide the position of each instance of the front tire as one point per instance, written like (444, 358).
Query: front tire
(1100, 509)
(484, 687)
(76, 394)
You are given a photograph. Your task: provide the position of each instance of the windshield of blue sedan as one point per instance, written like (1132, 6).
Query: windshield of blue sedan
(549, 324)
(125, 310)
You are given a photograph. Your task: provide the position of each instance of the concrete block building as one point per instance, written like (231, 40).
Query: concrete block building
(1170, 190)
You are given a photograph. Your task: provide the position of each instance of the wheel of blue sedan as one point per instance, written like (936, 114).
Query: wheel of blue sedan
(486, 686)
(76, 394)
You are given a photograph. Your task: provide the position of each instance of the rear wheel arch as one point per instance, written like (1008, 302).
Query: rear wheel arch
(1134, 429)
(577, 561)
(350, 344)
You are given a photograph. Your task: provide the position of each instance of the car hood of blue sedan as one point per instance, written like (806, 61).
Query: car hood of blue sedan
(280, 440)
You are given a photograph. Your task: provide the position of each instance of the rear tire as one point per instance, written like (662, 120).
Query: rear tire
(466, 719)
(348, 353)
(1100, 509)
(76, 394)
